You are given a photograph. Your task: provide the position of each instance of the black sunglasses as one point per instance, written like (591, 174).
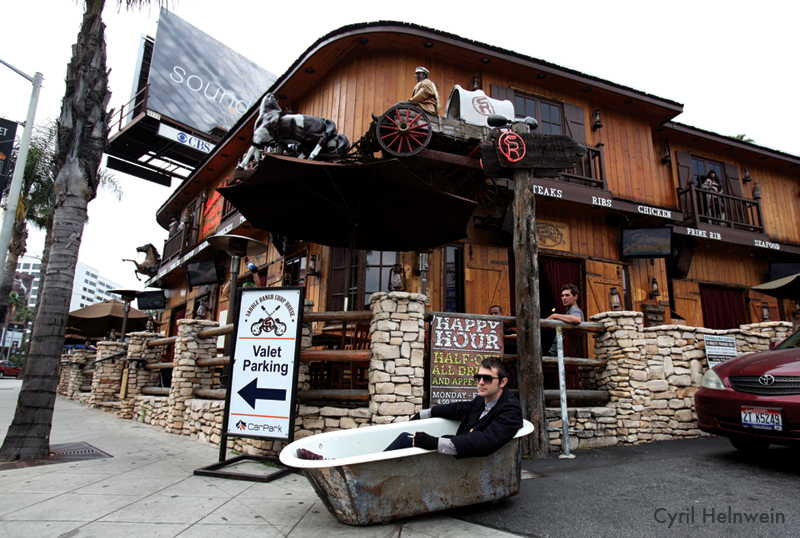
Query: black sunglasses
(486, 378)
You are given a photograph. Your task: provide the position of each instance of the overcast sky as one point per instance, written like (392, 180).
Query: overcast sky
(732, 64)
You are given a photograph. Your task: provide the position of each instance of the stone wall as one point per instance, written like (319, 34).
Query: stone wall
(651, 375)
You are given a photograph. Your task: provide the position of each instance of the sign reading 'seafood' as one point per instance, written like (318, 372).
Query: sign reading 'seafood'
(458, 345)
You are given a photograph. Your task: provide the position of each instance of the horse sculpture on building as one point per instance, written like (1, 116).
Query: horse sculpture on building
(297, 133)
(151, 263)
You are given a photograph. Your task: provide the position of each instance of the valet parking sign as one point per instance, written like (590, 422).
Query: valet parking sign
(263, 380)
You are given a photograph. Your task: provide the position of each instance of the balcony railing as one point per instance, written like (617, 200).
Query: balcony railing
(709, 207)
(172, 246)
(589, 171)
(127, 112)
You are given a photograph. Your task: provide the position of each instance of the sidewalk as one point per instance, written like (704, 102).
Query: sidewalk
(147, 489)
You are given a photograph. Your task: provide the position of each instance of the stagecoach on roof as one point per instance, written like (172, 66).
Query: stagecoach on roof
(444, 151)
(405, 131)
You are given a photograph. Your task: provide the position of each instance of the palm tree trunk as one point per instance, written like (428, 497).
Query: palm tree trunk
(19, 237)
(82, 134)
(48, 242)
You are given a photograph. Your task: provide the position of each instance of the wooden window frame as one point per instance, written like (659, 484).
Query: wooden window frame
(536, 103)
(356, 279)
(708, 164)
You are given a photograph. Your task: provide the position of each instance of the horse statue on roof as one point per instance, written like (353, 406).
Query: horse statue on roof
(151, 263)
(308, 136)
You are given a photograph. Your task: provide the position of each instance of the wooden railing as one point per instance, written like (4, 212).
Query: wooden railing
(709, 207)
(589, 171)
(351, 356)
(172, 246)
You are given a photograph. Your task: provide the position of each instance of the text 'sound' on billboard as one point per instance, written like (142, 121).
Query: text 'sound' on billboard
(198, 81)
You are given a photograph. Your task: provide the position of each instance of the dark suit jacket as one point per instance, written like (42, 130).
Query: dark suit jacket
(481, 437)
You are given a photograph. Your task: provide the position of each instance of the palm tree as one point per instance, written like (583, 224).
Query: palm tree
(82, 135)
(35, 203)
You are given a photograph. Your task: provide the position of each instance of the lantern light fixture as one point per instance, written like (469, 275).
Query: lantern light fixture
(397, 278)
(654, 291)
(597, 122)
(311, 269)
(614, 301)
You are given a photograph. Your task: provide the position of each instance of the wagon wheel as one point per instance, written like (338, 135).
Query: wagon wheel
(482, 190)
(403, 131)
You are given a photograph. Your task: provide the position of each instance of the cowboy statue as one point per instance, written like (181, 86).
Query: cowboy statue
(425, 94)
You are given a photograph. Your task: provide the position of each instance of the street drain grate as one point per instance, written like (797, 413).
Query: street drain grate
(64, 453)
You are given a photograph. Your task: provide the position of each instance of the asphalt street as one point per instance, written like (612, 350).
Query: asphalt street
(696, 487)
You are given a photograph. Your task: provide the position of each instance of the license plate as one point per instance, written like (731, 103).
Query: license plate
(764, 418)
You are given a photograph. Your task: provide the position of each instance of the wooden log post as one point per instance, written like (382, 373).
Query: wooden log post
(529, 350)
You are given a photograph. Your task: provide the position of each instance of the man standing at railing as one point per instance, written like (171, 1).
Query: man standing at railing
(574, 315)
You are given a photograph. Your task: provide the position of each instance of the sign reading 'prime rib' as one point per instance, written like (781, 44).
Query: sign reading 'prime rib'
(458, 345)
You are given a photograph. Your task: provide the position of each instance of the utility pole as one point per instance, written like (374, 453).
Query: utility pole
(19, 167)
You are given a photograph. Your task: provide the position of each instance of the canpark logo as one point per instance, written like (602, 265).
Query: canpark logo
(242, 425)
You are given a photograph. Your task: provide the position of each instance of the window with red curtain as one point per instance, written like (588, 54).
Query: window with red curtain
(722, 308)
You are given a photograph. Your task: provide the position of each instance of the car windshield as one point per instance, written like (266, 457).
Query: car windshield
(792, 341)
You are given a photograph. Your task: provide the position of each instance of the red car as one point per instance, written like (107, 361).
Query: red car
(9, 369)
(754, 400)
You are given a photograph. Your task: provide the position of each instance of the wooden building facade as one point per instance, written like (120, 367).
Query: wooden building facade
(642, 170)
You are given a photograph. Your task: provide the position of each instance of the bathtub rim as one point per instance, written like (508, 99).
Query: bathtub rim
(439, 426)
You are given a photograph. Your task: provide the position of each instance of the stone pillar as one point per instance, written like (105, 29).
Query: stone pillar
(63, 374)
(303, 379)
(186, 375)
(626, 374)
(72, 373)
(138, 376)
(107, 375)
(397, 370)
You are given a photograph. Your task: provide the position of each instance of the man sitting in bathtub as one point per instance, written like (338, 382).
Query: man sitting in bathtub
(487, 423)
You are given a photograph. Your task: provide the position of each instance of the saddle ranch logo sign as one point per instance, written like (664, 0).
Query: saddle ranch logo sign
(263, 373)
(458, 345)
(553, 235)
(483, 105)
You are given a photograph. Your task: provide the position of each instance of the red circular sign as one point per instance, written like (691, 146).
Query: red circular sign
(512, 146)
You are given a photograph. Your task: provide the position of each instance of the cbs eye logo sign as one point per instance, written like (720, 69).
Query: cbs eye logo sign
(194, 142)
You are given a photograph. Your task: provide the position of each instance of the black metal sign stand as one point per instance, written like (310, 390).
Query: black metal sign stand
(216, 469)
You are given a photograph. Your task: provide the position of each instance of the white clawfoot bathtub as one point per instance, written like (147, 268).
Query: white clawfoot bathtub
(360, 484)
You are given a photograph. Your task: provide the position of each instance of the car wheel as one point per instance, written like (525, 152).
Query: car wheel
(2, 374)
(748, 445)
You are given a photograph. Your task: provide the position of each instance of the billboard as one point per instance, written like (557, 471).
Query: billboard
(8, 130)
(199, 82)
